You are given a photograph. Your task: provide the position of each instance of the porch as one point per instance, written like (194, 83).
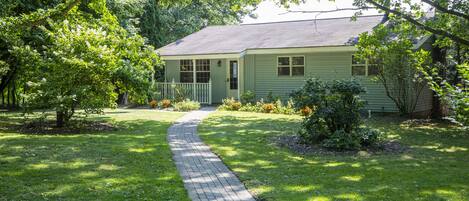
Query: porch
(200, 92)
(204, 80)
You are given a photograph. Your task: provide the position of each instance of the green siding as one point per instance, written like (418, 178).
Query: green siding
(261, 77)
(172, 70)
(217, 74)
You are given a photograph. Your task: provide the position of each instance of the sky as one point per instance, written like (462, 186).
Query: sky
(269, 11)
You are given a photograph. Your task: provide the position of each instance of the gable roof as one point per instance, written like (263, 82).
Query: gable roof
(293, 34)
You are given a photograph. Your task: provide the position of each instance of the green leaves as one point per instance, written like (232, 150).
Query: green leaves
(79, 57)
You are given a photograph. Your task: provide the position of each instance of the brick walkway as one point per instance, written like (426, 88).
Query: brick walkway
(204, 174)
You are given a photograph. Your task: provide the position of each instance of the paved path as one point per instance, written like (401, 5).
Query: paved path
(204, 174)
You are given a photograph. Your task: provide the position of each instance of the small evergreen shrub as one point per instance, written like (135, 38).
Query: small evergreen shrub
(165, 103)
(248, 97)
(153, 104)
(186, 105)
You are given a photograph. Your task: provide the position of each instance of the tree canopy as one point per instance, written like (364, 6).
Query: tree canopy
(75, 55)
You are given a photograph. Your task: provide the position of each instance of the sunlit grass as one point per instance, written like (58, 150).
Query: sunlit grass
(131, 163)
(435, 168)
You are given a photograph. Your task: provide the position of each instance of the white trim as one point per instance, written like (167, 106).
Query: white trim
(301, 50)
(366, 64)
(228, 67)
(207, 56)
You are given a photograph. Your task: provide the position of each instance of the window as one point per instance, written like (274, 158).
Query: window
(373, 69)
(363, 68)
(291, 66)
(187, 71)
(283, 66)
(202, 70)
(298, 66)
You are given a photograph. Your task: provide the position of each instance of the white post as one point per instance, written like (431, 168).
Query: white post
(165, 89)
(173, 85)
(209, 91)
(194, 80)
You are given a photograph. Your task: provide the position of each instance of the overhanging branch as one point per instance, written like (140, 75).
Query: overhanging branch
(445, 10)
(420, 24)
(330, 11)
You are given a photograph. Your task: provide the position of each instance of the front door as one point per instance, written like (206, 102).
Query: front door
(232, 79)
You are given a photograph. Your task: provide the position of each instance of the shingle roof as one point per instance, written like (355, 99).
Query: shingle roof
(237, 38)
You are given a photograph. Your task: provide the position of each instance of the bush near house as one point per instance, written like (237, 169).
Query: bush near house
(336, 121)
(248, 104)
(165, 103)
(186, 105)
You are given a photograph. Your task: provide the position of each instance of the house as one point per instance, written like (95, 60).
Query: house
(276, 57)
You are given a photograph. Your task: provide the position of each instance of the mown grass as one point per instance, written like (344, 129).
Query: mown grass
(436, 167)
(131, 163)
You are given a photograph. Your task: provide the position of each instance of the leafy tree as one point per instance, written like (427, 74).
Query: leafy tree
(448, 24)
(85, 58)
(390, 48)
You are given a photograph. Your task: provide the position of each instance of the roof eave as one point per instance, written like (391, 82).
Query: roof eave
(284, 50)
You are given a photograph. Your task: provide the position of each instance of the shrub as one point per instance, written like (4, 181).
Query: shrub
(268, 107)
(271, 98)
(250, 108)
(180, 94)
(153, 104)
(165, 103)
(341, 139)
(306, 111)
(230, 104)
(248, 97)
(284, 109)
(186, 105)
(369, 136)
(336, 120)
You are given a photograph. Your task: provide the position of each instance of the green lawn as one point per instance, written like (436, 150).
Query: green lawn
(132, 163)
(435, 168)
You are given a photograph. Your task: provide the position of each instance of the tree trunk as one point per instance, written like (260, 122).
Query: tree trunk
(3, 99)
(438, 56)
(13, 96)
(60, 121)
(123, 99)
(8, 97)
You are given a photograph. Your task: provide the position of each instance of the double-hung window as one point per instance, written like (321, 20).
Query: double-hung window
(291, 66)
(202, 71)
(186, 71)
(363, 67)
(202, 68)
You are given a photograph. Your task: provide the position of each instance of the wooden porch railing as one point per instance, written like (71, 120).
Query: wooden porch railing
(200, 92)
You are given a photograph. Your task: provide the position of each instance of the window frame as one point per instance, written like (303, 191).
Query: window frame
(186, 71)
(194, 70)
(291, 66)
(202, 71)
(366, 64)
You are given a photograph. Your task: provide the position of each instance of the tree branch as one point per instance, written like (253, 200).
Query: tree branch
(61, 12)
(421, 25)
(329, 11)
(445, 10)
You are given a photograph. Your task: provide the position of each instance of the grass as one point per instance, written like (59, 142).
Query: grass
(131, 163)
(435, 168)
